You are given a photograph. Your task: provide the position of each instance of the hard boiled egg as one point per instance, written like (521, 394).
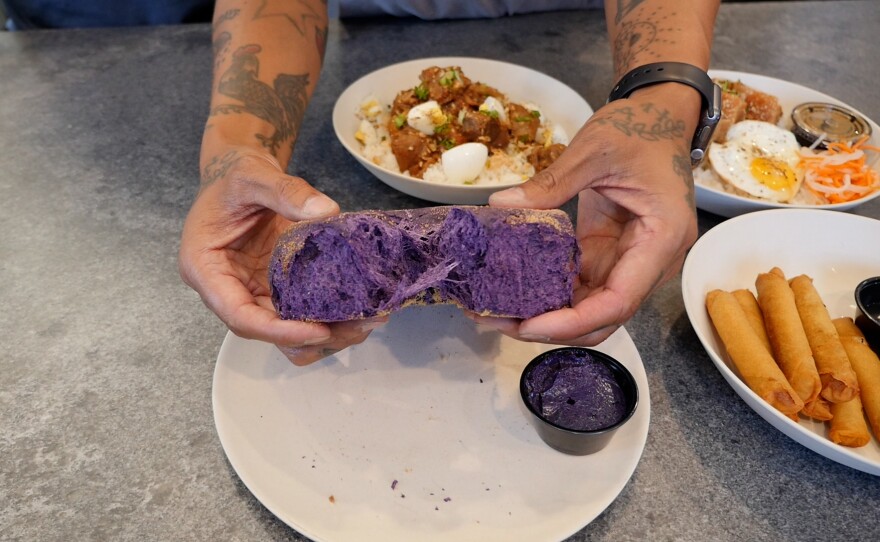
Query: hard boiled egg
(760, 159)
(493, 105)
(464, 163)
(425, 117)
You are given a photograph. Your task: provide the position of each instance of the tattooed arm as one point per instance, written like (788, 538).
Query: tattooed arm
(629, 166)
(267, 57)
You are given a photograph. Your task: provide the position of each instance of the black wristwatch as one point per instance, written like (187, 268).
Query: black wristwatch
(678, 72)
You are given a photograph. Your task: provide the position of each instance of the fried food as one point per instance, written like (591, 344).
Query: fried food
(751, 358)
(839, 381)
(790, 346)
(867, 367)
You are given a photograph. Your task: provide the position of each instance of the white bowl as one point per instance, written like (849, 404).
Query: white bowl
(789, 94)
(838, 250)
(559, 103)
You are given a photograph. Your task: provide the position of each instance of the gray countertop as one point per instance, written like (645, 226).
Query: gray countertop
(106, 427)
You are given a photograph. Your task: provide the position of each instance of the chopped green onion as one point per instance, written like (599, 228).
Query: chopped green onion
(447, 78)
(441, 128)
(447, 143)
(421, 92)
(535, 113)
(491, 112)
(400, 120)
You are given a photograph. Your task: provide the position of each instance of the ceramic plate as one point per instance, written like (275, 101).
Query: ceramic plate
(838, 250)
(789, 94)
(560, 103)
(419, 433)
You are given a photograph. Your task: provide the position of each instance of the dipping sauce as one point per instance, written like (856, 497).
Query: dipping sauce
(830, 122)
(574, 390)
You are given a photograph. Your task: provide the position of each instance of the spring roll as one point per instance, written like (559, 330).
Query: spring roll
(789, 344)
(848, 427)
(839, 382)
(750, 306)
(867, 367)
(752, 360)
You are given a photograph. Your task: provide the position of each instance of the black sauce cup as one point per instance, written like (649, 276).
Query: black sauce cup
(867, 295)
(574, 441)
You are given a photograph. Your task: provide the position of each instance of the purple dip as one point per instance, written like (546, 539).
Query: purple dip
(576, 391)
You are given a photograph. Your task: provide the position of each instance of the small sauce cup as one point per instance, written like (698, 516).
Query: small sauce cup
(867, 295)
(577, 398)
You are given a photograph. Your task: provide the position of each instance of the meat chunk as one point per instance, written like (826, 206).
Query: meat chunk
(524, 123)
(411, 149)
(483, 128)
(476, 94)
(542, 157)
(444, 84)
(733, 110)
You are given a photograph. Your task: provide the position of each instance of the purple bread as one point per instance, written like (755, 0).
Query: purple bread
(502, 262)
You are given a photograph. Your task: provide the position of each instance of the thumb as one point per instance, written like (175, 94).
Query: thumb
(548, 189)
(291, 197)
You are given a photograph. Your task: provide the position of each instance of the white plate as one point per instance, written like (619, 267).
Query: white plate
(838, 250)
(789, 94)
(560, 103)
(432, 402)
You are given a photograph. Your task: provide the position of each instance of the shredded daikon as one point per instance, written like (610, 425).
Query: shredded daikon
(841, 173)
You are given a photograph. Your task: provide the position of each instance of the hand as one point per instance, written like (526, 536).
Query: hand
(629, 167)
(245, 203)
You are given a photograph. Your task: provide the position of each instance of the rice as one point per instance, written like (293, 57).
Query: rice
(502, 168)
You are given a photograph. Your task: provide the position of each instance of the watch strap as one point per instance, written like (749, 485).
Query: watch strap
(686, 74)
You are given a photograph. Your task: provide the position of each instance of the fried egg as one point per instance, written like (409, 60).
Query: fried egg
(760, 159)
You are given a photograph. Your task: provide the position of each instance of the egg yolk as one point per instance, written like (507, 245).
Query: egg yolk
(773, 174)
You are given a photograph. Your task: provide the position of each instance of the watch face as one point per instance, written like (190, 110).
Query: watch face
(709, 119)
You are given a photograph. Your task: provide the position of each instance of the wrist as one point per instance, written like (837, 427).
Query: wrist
(669, 77)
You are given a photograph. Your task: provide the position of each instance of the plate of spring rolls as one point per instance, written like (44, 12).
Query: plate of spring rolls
(770, 295)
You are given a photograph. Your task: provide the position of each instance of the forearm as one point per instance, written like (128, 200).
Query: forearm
(267, 59)
(646, 31)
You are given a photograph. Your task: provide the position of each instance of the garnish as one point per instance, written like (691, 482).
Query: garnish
(421, 92)
(490, 112)
(841, 173)
(448, 78)
(400, 120)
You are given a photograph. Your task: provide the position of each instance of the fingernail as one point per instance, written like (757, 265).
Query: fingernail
(537, 338)
(317, 206)
(511, 196)
(316, 340)
(370, 326)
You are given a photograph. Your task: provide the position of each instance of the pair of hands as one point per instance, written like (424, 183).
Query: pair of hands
(628, 166)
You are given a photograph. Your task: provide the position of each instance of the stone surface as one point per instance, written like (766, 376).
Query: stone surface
(106, 428)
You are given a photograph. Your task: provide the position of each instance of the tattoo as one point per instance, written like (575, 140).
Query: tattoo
(227, 15)
(681, 165)
(299, 21)
(218, 167)
(662, 127)
(624, 7)
(221, 46)
(282, 105)
(634, 38)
